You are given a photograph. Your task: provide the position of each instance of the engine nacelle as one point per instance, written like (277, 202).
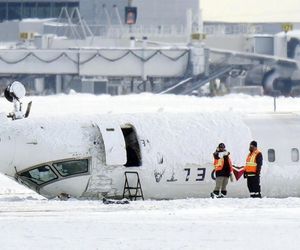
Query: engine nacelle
(273, 83)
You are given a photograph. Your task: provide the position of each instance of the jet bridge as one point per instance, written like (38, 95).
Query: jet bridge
(107, 62)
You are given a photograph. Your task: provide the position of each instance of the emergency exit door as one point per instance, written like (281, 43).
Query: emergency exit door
(114, 143)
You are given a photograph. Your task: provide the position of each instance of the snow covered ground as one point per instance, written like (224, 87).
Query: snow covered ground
(179, 224)
(28, 221)
(90, 104)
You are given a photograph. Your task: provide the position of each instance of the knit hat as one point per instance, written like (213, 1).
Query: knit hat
(253, 143)
(221, 145)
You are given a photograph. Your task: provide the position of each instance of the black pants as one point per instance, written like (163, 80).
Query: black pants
(253, 183)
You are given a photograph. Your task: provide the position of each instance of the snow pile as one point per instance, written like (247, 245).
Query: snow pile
(10, 190)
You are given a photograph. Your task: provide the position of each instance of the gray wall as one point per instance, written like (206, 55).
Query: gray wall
(9, 31)
(169, 12)
(93, 12)
(150, 12)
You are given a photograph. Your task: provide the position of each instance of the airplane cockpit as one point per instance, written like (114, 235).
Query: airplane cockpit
(48, 173)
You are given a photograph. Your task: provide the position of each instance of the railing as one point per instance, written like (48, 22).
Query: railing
(118, 31)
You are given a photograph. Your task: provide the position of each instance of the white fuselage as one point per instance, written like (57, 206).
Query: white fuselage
(86, 156)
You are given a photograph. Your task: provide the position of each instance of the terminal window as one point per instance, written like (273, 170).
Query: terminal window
(57, 8)
(14, 11)
(43, 10)
(29, 9)
(3, 8)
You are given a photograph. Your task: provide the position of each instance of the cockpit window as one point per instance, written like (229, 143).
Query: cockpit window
(67, 168)
(40, 175)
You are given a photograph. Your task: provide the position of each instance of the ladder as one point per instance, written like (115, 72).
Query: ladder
(137, 189)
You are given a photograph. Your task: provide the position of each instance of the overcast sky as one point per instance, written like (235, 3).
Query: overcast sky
(251, 10)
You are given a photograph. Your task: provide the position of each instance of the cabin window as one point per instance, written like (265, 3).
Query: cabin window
(295, 155)
(271, 155)
(39, 175)
(133, 151)
(73, 167)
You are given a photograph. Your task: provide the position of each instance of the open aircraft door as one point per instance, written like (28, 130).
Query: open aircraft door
(114, 143)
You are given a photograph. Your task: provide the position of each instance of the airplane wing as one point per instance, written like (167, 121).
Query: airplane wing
(238, 57)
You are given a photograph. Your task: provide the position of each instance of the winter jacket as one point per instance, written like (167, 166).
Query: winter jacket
(227, 166)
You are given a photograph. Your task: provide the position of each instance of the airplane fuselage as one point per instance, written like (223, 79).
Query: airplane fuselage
(87, 156)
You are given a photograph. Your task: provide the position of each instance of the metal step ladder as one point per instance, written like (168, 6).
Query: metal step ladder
(132, 192)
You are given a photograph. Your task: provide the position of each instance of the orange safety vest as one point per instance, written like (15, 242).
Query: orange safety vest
(219, 164)
(251, 165)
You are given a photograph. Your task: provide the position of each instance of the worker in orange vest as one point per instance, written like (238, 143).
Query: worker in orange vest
(252, 170)
(223, 169)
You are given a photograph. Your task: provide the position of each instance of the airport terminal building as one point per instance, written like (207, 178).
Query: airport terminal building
(42, 25)
(131, 24)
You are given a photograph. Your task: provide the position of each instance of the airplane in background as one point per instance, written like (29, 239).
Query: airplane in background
(276, 75)
(153, 156)
(268, 60)
(273, 73)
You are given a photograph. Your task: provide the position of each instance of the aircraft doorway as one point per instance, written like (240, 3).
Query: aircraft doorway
(133, 151)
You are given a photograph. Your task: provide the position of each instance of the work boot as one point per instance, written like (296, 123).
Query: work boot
(223, 194)
(215, 194)
(257, 195)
